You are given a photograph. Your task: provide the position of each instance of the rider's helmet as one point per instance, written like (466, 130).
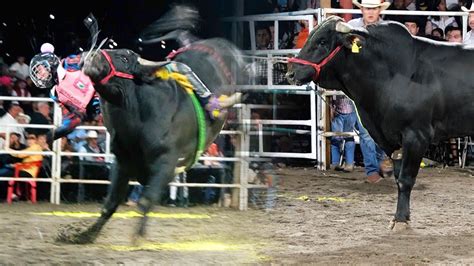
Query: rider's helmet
(43, 67)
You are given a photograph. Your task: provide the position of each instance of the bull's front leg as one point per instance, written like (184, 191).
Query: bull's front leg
(76, 234)
(414, 146)
(161, 172)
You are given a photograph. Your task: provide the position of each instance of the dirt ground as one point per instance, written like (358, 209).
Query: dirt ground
(320, 218)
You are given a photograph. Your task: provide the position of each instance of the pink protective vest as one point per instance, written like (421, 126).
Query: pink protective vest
(75, 89)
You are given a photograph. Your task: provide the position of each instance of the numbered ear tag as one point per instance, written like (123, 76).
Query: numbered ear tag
(355, 46)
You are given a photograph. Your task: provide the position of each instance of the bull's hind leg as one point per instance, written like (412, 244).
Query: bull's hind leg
(414, 146)
(161, 173)
(117, 193)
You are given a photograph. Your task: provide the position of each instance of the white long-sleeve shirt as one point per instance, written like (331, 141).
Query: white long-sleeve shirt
(469, 38)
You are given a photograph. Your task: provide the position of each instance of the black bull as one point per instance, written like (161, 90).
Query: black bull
(152, 122)
(409, 92)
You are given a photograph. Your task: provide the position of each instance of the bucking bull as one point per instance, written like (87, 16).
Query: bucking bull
(153, 121)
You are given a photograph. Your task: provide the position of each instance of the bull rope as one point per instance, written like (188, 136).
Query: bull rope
(166, 73)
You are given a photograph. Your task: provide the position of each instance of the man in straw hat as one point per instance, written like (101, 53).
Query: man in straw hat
(370, 12)
(469, 38)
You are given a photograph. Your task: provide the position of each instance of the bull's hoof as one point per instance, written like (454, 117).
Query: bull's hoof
(399, 226)
(77, 233)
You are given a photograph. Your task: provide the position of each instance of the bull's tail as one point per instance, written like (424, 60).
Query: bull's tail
(177, 25)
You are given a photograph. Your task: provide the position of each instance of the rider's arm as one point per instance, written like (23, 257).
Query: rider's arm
(71, 119)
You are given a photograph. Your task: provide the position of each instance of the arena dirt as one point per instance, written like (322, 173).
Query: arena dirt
(320, 218)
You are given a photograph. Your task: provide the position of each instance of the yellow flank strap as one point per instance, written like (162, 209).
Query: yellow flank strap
(182, 80)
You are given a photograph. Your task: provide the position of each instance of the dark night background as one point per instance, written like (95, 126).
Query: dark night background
(28, 24)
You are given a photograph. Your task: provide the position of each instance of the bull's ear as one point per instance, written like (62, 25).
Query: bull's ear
(353, 41)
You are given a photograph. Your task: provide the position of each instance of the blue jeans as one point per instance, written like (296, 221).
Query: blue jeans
(136, 193)
(343, 123)
(371, 152)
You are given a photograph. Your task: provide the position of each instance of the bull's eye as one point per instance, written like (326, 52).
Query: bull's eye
(124, 59)
(322, 42)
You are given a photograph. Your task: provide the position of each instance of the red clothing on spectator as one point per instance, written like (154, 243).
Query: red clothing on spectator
(301, 38)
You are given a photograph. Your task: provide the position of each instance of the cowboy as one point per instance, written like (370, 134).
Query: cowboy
(71, 88)
(375, 161)
(469, 38)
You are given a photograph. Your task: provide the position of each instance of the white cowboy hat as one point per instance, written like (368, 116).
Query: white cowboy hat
(463, 8)
(92, 134)
(372, 4)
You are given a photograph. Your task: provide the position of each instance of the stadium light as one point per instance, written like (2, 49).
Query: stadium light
(51, 16)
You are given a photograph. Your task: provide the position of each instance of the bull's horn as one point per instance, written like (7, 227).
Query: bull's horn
(231, 100)
(145, 62)
(343, 27)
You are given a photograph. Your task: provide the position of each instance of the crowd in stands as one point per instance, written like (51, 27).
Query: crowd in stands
(293, 34)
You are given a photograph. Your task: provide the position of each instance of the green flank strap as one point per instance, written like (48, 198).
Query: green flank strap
(201, 119)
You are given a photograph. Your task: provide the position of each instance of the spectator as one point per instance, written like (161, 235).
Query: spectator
(43, 142)
(23, 119)
(469, 38)
(92, 167)
(35, 91)
(438, 34)
(32, 146)
(396, 5)
(77, 138)
(13, 112)
(183, 199)
(68, 162)
(30, 171)
(135, 195)
(210, 193)
(91, 147)
(15, 143)
(6, 85)
(294, 5)
(344, 121)
(20, 89)
(440, 21)
(453, 34)
(258, 70)
(303, 34)
(263, 174)
(40, 116)
(426, 5)
(20, 69)
(413, 24)
(263, 38)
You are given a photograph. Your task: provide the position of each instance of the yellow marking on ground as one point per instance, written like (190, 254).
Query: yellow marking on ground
(125, 215)
(324, 198)
(336, 199)
(303, 198)
(182, 246)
